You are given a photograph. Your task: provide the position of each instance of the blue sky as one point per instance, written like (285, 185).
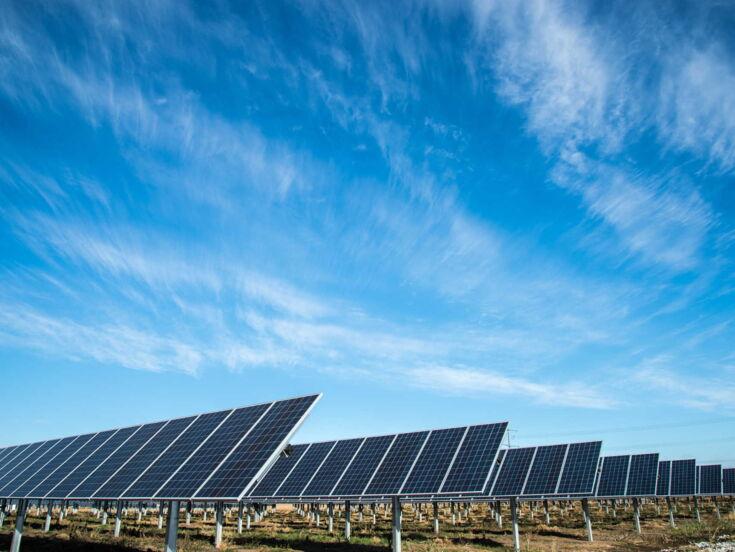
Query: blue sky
(436, 213)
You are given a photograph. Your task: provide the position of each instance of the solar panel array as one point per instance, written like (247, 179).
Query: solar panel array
(710, 480)
(214, 456)
(553, 470)
(628, 475)
(439, 462)
(728, 481)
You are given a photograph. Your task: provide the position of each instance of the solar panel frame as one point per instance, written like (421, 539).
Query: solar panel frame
(434, 461)
(710, 480)
(466, 459)
(269, 484)
(37, 458)
(396, 466)
(728, 481)
(330, 472)
(580, 461)
(642, 475)
(513, 472)
(683, 481)
(18, 455)
(548, 464)
(663, 481)
(299, 477)
(613, 478)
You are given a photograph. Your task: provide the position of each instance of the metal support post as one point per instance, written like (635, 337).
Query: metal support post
(104, 514)
(219, 511)
(696, 509)
(454, 514)
(587, 518)
(397, 515)
(118, 518)
(637, 515)
(672, 522)
(160, 515)
(717, 507)
(436, 518)
(348, 525)
(172, 526)
(330, 517)
(547, 515)
(516, 530)
(240, 508)
(47, 523)
(19, 521)
(247, 517)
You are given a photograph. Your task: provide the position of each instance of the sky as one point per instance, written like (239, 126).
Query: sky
(436, 213)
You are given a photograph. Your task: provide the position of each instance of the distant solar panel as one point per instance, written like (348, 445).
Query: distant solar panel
(328, 474)
(683, 478)
(664, 478)
(614, 476)
(513, 472)
(275, 477)
(299, 478)
(546, 469)
(395, 467)
(434, 461)
(728, 481)
(580, 466)
(357, 476)
(226, 450)
(710, 479)
(642, 475)
(473, 463)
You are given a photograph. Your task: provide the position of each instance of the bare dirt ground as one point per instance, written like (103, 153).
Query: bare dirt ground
(284, 530)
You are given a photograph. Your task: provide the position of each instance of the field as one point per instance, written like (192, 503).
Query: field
(284, 530)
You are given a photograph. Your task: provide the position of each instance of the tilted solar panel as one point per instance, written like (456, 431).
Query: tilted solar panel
(299, 478)
(710, 479)
(435, 459)
(513, 472)
(331, 470)
(473, 463)
(614, 476)
(580, 467)
(683, 478)
(275, 477)
(663, 481)
(357, 476)
(546, 469)
(642, 475)
(395, 467)
(28, 467)
(728, 481)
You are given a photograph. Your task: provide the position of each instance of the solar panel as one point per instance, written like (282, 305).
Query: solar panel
(683, 478)
(580, 466)
(710, 479)
(330, 471)
(434, 462)
(397, 464)
(299, 478)
(728, 481)
(256, 452)
(642, 475)
(473, 462)
(358, 474)
(664, 478)
(280, 470)
(546, 469)
(513, 472)
(139, 462)
(613, 476)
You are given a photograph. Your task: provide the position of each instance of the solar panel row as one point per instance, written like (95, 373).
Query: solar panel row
(553, 470)
(446, 461)
(676, 478)
(728, 481)
(628, 475)
(709, 480)
(214, 456)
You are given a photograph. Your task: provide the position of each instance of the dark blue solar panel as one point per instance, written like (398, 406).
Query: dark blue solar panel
(683, 477)
(357, 476)
(243, 465)
(157, 474)
(513, 472)
(28, 488)
(15, 458)
(710, 479)
(81, 472)
(280, 470)
(643, 474)
(297, 480)
(204, 461)
(397, 463)
(329, 473)
(71, 463)
(728, 481)
(116, 460)
(544, 475)
(472, 465)
(23, 470)
(580, 467)
(494, 472)
(5, 454)
(434, 461)
(663, 479)
(142, 459)
(613, 476)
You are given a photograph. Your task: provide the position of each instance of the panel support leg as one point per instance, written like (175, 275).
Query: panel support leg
(696, 509)
(516, 531)
(247, 517)
(19, 521)
(670, 507)
(397, 517)
(436, 518)
(717, 508)
(317, 515)
(637, 515)
(104, 514)
(3, 505)
(160, 515)
(240, 509)
(547, 516)
(172, 526)
(219, 511)
(587, 518)
(330, 518)
(348, 524)
(118, 518)
(47, 523)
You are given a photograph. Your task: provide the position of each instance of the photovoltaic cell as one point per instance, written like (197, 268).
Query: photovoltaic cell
(280, 470)
(642, 475)
(710, 479)
(17, 457)
(580, 466)
(238, 471)
(297, 480)
(357, 476)
(728, 481)
(203, 462)
(326, 478)
(5, 454)
(613, 476)
(545, 471)
(117, 459)
(683, 478)
(664, 478)
(42, 474)
(391, 474)
(513, 472)
(143, 458)
(157, 474)
(472, 464)
(433, 464)
(28, 467)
